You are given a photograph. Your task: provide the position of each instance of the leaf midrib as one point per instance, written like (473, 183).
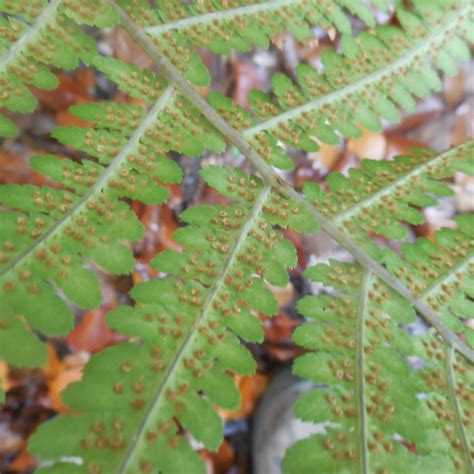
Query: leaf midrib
(360, 367)
(203, 314)
(219, 15)
(457, 410)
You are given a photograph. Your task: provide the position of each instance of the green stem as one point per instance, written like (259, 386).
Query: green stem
(362, 310)
(220, 16)
(458, 412)
(273, 179)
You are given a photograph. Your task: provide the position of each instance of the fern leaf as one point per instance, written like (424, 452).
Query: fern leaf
(184, 336)
(34, 35)
(183, 332)
(373, 404)
(225, 26)
(50, 231)
(375, 75)
(7, 127)
(383, 195)
(198, 317)
(381, 199)
(182, 128)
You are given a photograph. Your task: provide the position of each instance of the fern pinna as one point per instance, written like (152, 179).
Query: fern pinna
(185, 329)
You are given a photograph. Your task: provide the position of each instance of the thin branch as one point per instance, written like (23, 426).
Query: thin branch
(270, 176)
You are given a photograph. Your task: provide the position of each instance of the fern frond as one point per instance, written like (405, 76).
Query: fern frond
(184, 336)
(183, 332)
(382, 198)
(33, 35)
(228, 252)
(385, 201)
(182, 128)
(225, 26)
(177, 28)
(373, 403)
(375, 75)
(50, 232)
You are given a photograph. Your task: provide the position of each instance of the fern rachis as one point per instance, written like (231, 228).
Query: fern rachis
(184, 330)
